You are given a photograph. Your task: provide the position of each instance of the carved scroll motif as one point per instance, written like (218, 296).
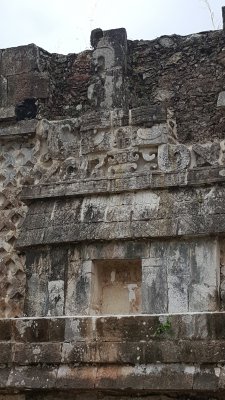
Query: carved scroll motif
(173, 157)
(72, 151)
(155, 135)
(122, 158)
(122, 168)
(150, 157)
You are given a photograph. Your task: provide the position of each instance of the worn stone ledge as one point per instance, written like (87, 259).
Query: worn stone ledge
(21, 129)
(139, 215)
(189, 178)
(162, 228)
(122, 117)
(194, 326)
(142, 339)
(157, 377)
(114, 352)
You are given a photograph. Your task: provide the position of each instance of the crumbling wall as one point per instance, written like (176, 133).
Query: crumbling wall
(112, 176)
(171, 93)
(186, 74)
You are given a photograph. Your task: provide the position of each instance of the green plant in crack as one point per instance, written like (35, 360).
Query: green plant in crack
(163, 328)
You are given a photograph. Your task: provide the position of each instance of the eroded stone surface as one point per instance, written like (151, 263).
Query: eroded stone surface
(119, 154)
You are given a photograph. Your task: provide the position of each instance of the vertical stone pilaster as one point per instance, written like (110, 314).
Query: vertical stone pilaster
(223, 16)
(107, 88)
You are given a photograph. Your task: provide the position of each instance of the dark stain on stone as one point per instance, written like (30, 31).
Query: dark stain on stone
(27, 109)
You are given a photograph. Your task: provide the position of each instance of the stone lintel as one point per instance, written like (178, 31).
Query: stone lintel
(21, 129)
(146, 214)
(196, 177)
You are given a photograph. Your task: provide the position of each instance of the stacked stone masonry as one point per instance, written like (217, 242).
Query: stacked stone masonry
(112, 222)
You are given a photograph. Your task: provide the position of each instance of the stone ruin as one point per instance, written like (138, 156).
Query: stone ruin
(112, 228)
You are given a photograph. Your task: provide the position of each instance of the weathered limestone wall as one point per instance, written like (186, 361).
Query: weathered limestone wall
(112, 173)
(176, 276)
(129, 354)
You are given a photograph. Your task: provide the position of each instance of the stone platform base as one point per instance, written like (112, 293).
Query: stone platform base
(129, 355)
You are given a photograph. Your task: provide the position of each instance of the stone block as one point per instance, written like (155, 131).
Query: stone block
(56, 329)
(56, 297)
(5, 353)
(154, 136)
(4, 375)
(3, 91)
(31, 330)
(142, 377)
(109, 61)
(76, 352)
(147, 116)
(217, 326)
(95, 120)
(168, 159)
(78, 329)
(203, 294)
(21, 129)
(191, 326)
(93, 209)
(72, 302)
(203, 297)
(116, 250)
(111, 377)
(7, 113)
(126, 329)
(30, 85)
(185, 351)
(45, 290)
(19, 60)
(32, 377)
(145, 205)
(5, 330)
(78, 288)
(102, 353)
(221, 99)
(118, 39)
(190, 276)
(154, 290)
(76, 378)
(222, 378)
(62, 137)
(118, 213)
(178, 276)
(36, 303)
(131, 353)
(36, 353)
(206, 378)
(223, 16)
(172, 218)
(119, 117)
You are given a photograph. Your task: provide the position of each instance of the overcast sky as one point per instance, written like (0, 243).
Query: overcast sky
(64, 26)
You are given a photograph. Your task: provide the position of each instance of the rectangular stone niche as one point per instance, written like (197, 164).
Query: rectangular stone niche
(116, 287)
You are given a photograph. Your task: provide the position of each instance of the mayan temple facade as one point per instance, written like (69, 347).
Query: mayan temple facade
(112, 220)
